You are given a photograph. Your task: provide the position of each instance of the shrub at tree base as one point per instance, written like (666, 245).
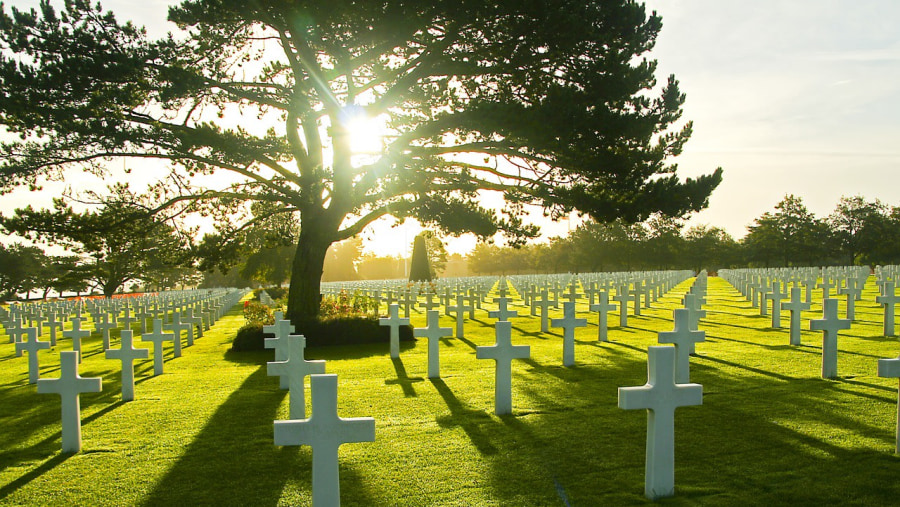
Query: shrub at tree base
(276, 292)
(327, 332)
(258, 314)
(248, 338)
(351, 330)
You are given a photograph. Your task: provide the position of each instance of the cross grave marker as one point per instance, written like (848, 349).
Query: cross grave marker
(795, 306)
(603, 306)
(282, 328)
(324, 431)
(660, 396)
(889, 300)
(394, 322)
(829, 324)
(890, 368)
(503, 352)
(684, 339)
(158, 337)
(295, 368)
(569, 323)
(32, 345)
(127, 354)
(434, 332)
(69, 387)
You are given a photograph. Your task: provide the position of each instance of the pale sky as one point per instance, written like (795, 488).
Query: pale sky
(799, 97)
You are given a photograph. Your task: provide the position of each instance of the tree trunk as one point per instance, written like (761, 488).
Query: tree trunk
(304, 295)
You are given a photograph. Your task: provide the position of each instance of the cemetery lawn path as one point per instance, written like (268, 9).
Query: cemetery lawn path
(770, 431)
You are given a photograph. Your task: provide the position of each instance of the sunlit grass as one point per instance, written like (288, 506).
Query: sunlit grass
(770, 430)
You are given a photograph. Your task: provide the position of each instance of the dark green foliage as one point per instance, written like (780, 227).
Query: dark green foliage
(119, 242)
(250, 337)
(562, 89)
(328, 332)
(349, 331)
(20, 269)
(258, 314)
(419, 269)
(277, 292)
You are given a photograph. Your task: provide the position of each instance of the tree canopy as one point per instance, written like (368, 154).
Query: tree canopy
(118, 242)
(552, 103)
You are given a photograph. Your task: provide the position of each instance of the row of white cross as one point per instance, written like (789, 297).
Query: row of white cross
(69, 385)
(667, 387)
(325, 431)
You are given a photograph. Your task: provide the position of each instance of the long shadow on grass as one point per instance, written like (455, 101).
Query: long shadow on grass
(765, 439)
(360, 351)
(45, 467)
(27, 413)
(468, 342)
(403, 379)
(233, 460)
(470, 420)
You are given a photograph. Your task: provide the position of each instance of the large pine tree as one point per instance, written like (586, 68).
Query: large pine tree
(551, 103)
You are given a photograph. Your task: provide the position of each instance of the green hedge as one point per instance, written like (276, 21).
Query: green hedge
(319, 333)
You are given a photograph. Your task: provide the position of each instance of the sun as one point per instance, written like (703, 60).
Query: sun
(367, 135)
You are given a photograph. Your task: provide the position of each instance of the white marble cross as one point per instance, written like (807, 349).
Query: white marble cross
(825, 285)
(684, 339)
(602, 307)
(434, 332)
(281, 329)
(572, 295)
(853, 292)
(764, 290)
(544, 304)
(775, 297)
(324, 431)
(191, 319)
(295, 368)
(15, 330)
(394, 322)
(126, 319)
(32, 345)
(622, 297)
(460, 310)
(179, 325)
(158, 338)
(76, 334)
(503, 352)
(502, 313)
(636, 292)
(660, 396)
(429, 302)
(103, 324)
(890, 368)
(795, 306)
(829, 324)
(501, 288)
(693, 304)
(889, 299)
(69, 386)
(569, 323)
(53, 325)
(127, 354)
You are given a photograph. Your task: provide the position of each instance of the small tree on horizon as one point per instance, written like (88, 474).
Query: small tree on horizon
(420, 268)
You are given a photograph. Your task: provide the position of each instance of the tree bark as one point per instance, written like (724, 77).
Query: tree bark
(304, 294)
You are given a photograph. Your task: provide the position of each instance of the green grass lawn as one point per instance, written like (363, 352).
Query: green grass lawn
(770, 430)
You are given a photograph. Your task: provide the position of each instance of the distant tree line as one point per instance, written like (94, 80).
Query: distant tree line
(857, 232)
(105, 252)
(113, 245)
